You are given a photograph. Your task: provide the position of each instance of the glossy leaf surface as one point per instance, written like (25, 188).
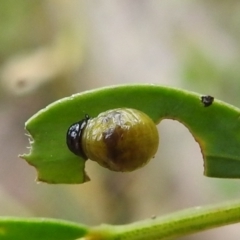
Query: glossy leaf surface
(216, 128)
(39, 229)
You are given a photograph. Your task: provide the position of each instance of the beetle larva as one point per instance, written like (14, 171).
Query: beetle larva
(121, 139)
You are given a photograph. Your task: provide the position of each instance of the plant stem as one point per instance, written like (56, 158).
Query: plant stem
(178, 224)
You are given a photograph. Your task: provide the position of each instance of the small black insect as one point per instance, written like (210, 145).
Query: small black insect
(207, 100)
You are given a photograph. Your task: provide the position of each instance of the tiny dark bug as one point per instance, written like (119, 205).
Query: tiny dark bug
(207, 100)
(121, 139)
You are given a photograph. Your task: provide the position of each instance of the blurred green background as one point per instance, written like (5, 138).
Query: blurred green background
(52, 49)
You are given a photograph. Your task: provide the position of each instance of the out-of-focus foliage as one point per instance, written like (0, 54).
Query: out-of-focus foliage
(45, 49)
(211, 61)
(23, 26)
(200, 71)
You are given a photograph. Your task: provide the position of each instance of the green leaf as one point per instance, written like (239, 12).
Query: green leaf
(39, 229)
(169, 226)
(216, 128)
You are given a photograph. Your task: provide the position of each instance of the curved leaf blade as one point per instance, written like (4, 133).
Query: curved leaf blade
(216, 128)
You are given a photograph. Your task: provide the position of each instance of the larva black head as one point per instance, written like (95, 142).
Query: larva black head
(207, 100)
(74, 137)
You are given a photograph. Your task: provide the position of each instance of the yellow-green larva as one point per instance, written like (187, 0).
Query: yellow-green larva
(121, 139)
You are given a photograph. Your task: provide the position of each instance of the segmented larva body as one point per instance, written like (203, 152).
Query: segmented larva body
(121, 139)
